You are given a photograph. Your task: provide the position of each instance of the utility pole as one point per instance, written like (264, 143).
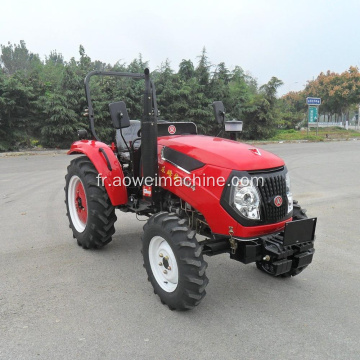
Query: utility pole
(307, 121)
(317, 121)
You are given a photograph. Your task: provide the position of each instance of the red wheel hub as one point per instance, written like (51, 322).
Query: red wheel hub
(80, 202)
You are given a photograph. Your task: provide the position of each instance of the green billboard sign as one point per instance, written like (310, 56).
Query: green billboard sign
(313, 114)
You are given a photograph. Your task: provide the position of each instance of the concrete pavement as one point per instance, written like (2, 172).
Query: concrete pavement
(58, 301)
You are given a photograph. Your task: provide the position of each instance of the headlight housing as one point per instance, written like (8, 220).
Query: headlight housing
(245, 198)
(288, 193)
(249, 198)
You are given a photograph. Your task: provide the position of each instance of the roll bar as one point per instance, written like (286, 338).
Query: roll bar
(149, 87)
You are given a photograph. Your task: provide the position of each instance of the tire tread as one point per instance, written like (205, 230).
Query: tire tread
(188, 253)
(101, 213)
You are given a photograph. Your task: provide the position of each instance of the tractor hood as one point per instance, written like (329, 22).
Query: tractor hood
(222, 152)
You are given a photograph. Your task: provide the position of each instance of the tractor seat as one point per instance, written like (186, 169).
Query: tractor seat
(130, 134)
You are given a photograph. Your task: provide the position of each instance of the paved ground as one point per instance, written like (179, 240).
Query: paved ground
(58, 301)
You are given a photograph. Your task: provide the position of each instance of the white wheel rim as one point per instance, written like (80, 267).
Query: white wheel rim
(163, 264)
(79, 225)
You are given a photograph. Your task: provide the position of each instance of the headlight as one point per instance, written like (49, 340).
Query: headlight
(288, 193)
(246, 199)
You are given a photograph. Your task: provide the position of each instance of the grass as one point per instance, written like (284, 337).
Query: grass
(330, 133)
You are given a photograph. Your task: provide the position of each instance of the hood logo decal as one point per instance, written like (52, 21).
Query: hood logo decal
(278, 201)
(172, 129)
(255, 151)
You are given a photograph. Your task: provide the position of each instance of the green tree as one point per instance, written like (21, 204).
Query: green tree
(239, 94)
(202, 71)
(270, 89)
(17, 110)
(261, 113)
(18, 58)
(47, 97)
(186, 70)
(61, 111)
(53, 69)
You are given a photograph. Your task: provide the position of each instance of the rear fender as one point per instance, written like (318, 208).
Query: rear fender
(107, 166)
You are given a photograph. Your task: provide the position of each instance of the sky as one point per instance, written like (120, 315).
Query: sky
(293, 40)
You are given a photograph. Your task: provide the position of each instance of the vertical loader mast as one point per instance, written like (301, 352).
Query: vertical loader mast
(149, 134)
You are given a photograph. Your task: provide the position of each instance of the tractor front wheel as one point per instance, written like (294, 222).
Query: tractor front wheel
(173, 261)
(89, 209)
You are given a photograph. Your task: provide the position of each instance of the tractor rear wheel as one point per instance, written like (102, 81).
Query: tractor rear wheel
(89, 209)
(298, 214)
(173, 261)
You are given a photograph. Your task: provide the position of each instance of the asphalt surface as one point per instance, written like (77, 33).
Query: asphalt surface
(58, 301)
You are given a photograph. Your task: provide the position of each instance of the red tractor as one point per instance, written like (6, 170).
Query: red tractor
(236, 197)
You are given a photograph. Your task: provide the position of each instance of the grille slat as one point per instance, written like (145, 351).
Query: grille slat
(272, 186)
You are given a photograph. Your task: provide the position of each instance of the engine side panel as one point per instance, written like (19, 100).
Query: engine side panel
(199, 190)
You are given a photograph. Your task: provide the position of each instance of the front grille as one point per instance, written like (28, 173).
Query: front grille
(272, 186)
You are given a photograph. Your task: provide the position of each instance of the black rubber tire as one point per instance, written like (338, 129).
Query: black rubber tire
(101, 214)
(298, 214)
(192, 279)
